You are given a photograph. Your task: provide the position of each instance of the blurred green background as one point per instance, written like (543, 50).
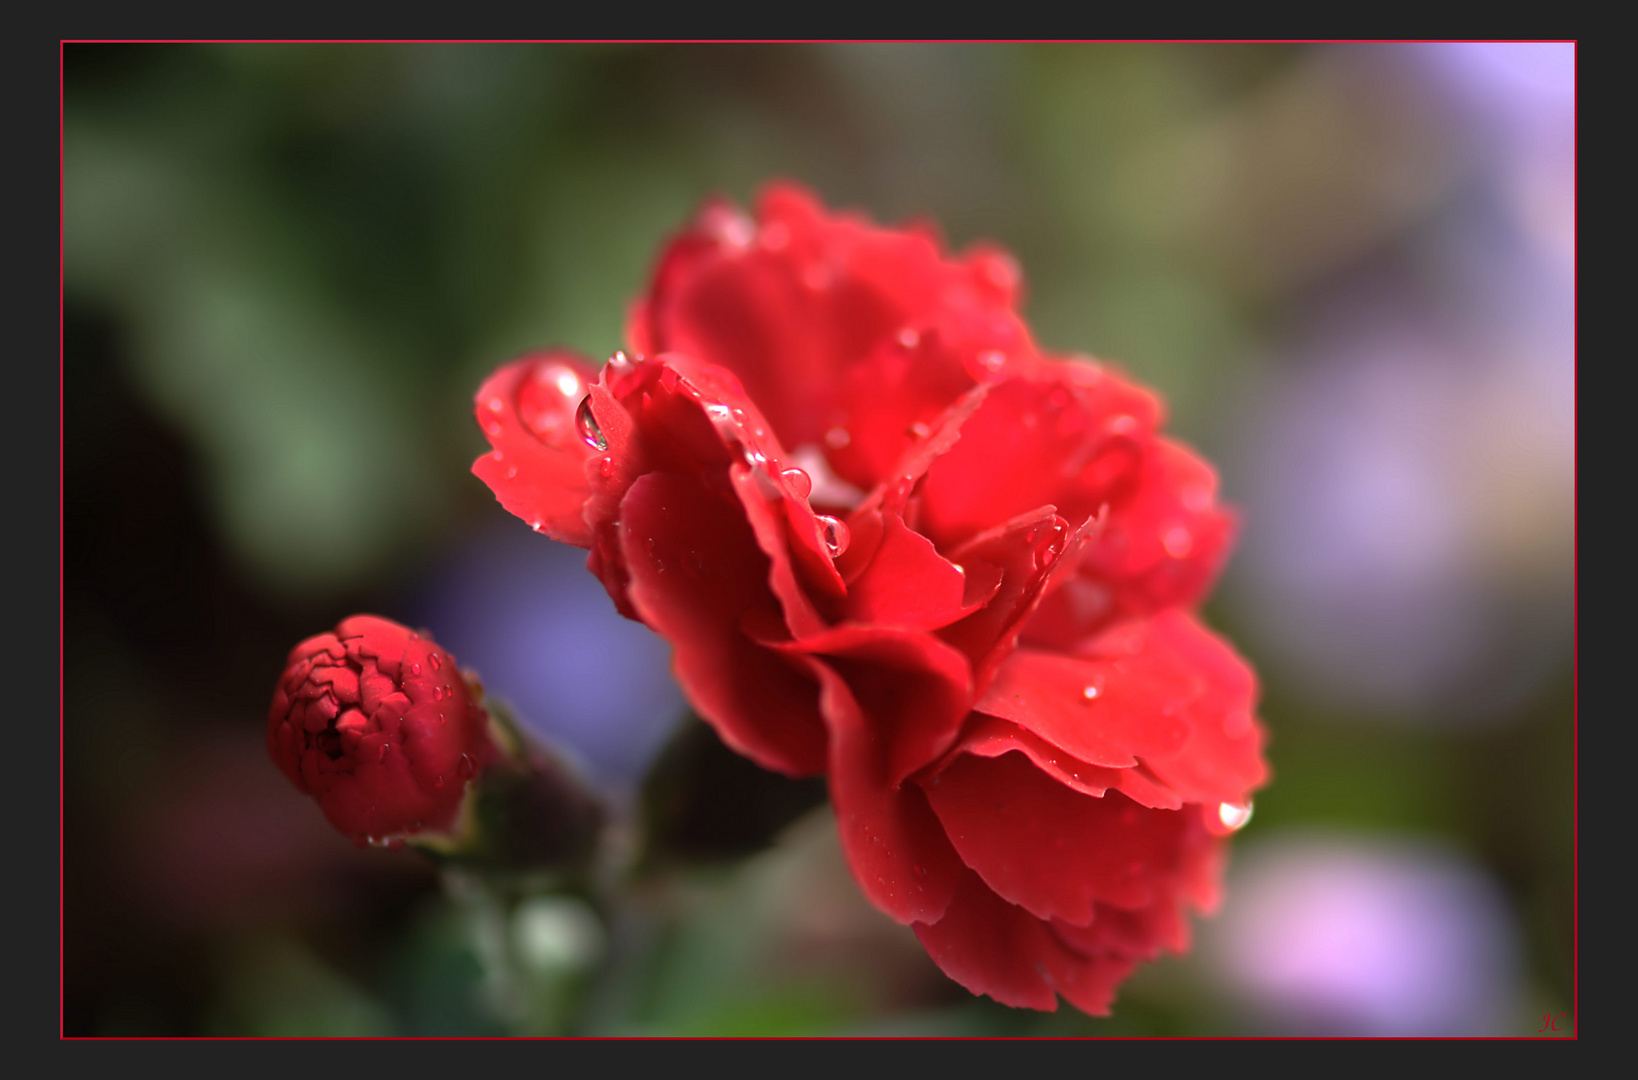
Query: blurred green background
(1350, 270)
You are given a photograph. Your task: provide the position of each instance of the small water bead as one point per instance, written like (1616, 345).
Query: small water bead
(1178, 542)
(415, 669)
(466, 767)
(909, 338)
(798, 481)
(836, 438)
(620, 364)
(436, 663)
(919, 430)
(1234, 816)
(835, 534)
(1090, 693)
(587, 423)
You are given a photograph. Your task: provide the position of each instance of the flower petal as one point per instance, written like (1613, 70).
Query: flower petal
(1058, 434)
(987, 736)
(1049, 848)
(1165, 542)
(911, 687)
(1222, 759)
(894, 844)
(695, 571)
(537, 468)
(996, 948)
(1023, 557)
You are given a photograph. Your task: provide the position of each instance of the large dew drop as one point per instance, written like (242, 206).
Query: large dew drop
(1234, 816)
(835, 534)
(798, 481)
(587, 423)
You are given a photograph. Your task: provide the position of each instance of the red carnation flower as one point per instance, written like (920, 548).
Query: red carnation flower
(891, 541)
(378, 724)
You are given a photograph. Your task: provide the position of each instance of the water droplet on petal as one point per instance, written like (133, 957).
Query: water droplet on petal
(620, 364)
(992, 360)
(466, 768)
(382, 756)
(1121, 425)
(415, 669)
(920, 871)
(437, 693)
(909, 338)
(436, 663)
(836, 438)
(438, 782)
(1234, 816)
(798, 481)
(1090, 692)
(835, 534)
(1178, 542)
(587, 423)
(918, 430)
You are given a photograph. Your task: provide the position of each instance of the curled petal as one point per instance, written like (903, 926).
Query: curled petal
(536, 468)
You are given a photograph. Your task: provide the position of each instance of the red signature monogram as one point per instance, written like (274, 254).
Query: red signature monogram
(1549, 1023)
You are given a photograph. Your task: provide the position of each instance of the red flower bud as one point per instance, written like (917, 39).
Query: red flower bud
(377, 723)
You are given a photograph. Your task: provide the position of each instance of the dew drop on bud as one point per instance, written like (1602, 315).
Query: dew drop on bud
(438, 782)
(1090, 693)
(437, 693)
(909, 338)
(382, 756)
(918, 430)
(436, 663)
(620, 364)
(835, 534)
(1233, 815)
(836, 438)
(415, 669)
(798, 481)
(587, 423)
(466, 767)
